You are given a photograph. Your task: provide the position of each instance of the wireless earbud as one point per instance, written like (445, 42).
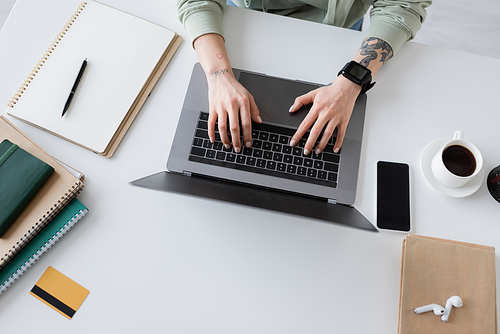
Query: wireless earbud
(438, 309)
(452, 301)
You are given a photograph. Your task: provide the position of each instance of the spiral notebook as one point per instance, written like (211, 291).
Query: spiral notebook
(126, 56)
(41, 243)
(61, 187)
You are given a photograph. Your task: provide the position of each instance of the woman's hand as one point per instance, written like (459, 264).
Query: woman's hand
(333, 104)
(332, 108)
(228, 98)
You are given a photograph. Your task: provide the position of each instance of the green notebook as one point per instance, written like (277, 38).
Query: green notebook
(41, 243)
(21, 176)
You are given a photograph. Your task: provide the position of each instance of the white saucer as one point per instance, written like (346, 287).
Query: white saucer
(425, 164)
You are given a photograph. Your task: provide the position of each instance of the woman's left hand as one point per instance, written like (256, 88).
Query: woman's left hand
(332, 108)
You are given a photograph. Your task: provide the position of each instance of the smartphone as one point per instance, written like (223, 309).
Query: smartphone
(393, 196)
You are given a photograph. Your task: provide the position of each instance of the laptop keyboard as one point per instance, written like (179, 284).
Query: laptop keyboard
(270, 154)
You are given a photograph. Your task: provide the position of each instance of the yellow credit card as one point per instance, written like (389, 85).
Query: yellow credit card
(59, 292)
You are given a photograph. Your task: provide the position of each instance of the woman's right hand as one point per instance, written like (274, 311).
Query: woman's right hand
(229, 100)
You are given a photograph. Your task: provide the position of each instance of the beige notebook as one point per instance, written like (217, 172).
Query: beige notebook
(126, 56)
(59, 190)
(432, 271)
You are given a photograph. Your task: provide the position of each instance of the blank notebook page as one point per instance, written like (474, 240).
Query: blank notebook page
(122, 51)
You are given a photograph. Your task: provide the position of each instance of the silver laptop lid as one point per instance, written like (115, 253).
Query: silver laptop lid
(273, 96)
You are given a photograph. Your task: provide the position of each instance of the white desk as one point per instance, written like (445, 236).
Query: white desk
(160, 262)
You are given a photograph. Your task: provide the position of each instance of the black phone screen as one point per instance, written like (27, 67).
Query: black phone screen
(393, 196)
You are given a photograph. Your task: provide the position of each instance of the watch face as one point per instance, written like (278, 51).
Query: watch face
(358, 74)
(357, 71)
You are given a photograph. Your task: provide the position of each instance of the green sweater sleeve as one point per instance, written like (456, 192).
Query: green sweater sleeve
(397, 21)
(201, 17)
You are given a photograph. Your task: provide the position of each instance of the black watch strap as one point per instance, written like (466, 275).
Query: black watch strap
(367, 86)
(358, 74)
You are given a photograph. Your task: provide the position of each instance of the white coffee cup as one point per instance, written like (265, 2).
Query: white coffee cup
(457, 162)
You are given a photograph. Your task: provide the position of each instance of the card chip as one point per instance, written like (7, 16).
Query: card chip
(59, 292)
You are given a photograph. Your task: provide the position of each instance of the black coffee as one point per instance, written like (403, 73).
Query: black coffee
(459, 160)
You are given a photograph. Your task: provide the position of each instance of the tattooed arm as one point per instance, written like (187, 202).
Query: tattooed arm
(374, 53)
(333, 104)
(227, 97)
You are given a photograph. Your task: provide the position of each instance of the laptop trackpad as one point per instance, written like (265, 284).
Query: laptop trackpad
(274, 97)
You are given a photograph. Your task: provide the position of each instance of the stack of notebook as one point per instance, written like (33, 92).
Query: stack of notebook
(45, 218)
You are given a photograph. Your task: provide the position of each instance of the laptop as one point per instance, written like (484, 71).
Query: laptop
(271, 174)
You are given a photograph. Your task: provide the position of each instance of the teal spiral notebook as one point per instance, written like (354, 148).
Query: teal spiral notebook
(41, 243)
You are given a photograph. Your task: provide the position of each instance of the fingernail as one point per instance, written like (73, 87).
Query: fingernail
(259, 119)
(306, 151)
(211, 139)
(248, 144)
(336, 150)
(237, 149)
(318, 151)
(292, 142)
(291, 108)
(227, 146)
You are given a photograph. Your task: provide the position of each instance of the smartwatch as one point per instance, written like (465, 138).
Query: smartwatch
(358, 74)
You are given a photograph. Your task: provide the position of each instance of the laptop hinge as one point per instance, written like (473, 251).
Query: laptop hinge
(185, 173)
(332, 201)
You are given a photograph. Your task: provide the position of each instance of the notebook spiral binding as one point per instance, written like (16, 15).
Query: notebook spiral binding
(55, 238)
(46, 55)
(53, 211)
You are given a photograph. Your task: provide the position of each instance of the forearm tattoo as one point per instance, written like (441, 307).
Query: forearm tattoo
(372, 47)
(220, 72)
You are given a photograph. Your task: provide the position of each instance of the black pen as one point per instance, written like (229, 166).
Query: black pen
(75, 86)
